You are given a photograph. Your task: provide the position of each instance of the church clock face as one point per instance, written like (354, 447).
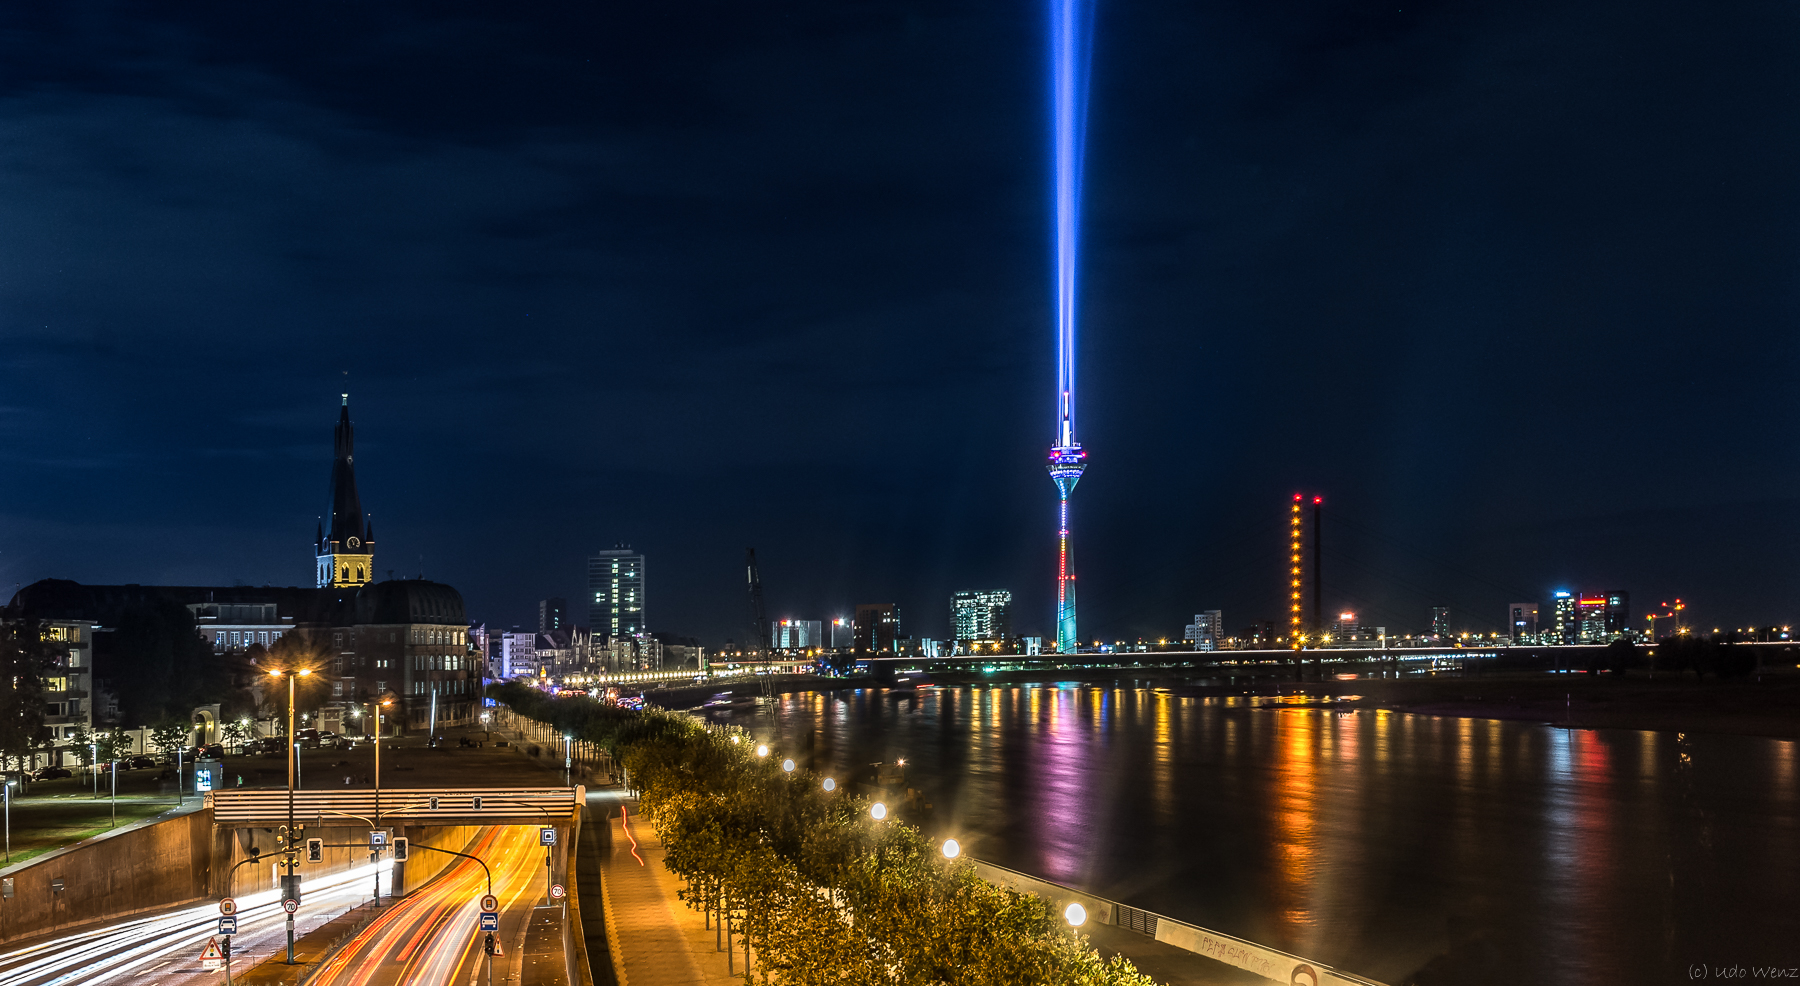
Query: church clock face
(354, 543)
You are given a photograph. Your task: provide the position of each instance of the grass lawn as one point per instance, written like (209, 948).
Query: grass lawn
(63, 812)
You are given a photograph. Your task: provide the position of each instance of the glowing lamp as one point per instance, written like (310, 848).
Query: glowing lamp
(762, 749)
(951, 849)
(878, 811)
(830, 785)
(1075, 914)
(787, 765)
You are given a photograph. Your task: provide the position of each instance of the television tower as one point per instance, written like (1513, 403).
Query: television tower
(1070, 21)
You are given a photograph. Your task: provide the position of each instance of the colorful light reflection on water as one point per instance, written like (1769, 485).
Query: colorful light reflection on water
(1376, 841)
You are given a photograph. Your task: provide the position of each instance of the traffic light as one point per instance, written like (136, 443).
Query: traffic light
(315, 850)
(399, 850)
(476, 804)
(490, 943)
(434, 804)
(225, 946)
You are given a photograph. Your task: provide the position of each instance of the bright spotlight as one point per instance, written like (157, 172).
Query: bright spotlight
(951, 849)
(762, 749)
(878, 811)
(1075, 914)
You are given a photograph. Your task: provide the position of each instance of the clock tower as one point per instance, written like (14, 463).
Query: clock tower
(346, 551)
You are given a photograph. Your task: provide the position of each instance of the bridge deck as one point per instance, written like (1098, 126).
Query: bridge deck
(416, 806)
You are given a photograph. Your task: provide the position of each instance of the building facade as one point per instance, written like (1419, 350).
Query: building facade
(877, 627)
(794, 635)
(1207, 632)
(981, 615)
(616, 592)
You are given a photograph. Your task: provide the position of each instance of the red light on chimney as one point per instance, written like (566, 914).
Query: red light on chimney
(1296, 498)
(1318, 500)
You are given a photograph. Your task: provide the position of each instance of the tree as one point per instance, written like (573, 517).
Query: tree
(26, 658)
(237, 732)
(1621, 655)
(161, 665)
(170, 734)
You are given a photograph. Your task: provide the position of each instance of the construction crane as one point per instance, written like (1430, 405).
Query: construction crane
(759, 628)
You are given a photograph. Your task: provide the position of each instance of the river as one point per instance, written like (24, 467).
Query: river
(1378, 842)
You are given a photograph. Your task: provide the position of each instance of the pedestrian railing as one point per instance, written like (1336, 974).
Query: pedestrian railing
(1233, 951)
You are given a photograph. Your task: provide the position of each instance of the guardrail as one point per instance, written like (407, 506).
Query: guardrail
(1233, 951)
(498, 805)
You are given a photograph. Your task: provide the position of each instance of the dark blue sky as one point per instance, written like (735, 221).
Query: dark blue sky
(1512, 284)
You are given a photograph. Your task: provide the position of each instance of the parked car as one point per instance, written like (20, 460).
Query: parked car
(141, 761)
(51, 773)
(216, 751)
(328, 739)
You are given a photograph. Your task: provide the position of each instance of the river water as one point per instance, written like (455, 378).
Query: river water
(1381, 843)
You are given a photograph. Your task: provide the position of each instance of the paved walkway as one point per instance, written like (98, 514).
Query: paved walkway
(660, 940)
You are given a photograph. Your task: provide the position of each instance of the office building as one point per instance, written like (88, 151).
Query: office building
(843, 634)
(552, 614)
(1440, 622)
(1522, 622)
(1207, 632)
(796, 635)
(981, 615)
(877, 627)
(1563, 622)
(518, 654)
(616, 592)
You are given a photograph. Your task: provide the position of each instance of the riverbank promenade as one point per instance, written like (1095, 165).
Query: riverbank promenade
(659, 941)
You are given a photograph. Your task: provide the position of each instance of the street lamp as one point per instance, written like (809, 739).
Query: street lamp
(291, 860)
(951, 849)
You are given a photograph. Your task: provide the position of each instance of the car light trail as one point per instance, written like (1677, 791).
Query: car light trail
(105, 954)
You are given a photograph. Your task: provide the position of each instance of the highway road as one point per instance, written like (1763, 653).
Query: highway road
(430, 937)
(164, 949)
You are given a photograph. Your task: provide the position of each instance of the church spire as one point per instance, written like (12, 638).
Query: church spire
(346, 551)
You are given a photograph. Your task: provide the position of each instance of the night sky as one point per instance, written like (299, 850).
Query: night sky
(1511, 284)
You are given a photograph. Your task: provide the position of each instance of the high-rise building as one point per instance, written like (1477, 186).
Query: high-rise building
(616, 592)
(1207, 632)
(877, 627)
(1562, 609)
(795, 634)
(1618, 613)
(518, 654)
(1440, 622)
(552, 614)
(981, 615)
(345, 557)
(1522, 622)
(843, 633)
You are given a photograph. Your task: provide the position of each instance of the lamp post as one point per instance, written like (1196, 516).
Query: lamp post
(375, 856)
(290, 861)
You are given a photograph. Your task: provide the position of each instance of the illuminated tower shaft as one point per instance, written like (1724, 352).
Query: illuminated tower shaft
(1069, 24)
(1296, 543)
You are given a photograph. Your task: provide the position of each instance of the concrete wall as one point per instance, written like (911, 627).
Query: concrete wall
(233, 846)
(156, 865)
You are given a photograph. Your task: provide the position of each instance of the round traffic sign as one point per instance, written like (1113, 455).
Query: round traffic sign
(290, 905)
(228, 907)
(490, 903)
(557, 892)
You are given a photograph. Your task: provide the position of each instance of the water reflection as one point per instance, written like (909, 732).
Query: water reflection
(1372, 840)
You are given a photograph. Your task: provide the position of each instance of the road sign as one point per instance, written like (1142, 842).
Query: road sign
(546, 836)
(228, 925)
(228, 907)
(290, 905)
(557, 892)
(212, 959)
(489, 902)
(377, 839)
(490, 921)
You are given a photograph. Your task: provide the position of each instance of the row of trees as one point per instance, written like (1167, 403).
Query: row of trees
(823, 892)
